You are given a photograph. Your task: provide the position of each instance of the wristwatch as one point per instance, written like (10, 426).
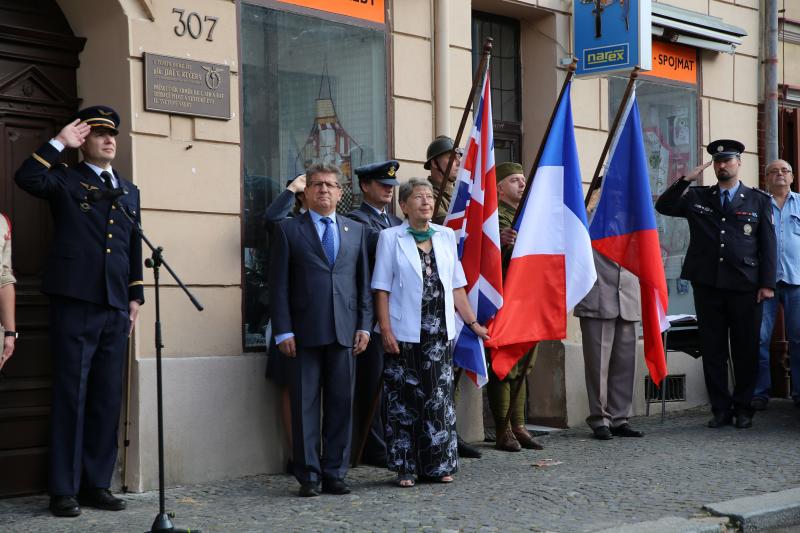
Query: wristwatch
(9, 333)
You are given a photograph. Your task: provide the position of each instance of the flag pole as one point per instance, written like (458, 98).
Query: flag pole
(478, 78)
(532, 173)
(597, 178)
(506, 258)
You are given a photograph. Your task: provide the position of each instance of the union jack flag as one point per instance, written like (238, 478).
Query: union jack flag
(473, 217)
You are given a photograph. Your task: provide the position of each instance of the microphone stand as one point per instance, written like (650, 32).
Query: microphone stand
(162, 523)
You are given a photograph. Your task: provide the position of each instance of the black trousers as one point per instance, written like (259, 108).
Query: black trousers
(369, 377)
(722, 315)
(88, 345)
(321, 383)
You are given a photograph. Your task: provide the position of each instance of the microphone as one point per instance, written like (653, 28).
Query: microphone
(95, 195)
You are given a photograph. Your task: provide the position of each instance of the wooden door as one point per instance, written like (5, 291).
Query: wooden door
(38, 60)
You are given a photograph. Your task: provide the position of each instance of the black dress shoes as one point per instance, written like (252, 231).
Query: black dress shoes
(744, 421)
(101, 499)
(467, 450)
(602, 433)
(335, 486)
(625, 430)
(308, 490)
(721, 419)
(64, 506)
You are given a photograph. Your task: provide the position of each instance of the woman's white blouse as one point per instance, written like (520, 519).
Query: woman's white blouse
(398, 271)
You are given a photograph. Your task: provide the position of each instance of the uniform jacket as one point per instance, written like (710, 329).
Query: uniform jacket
(279, 209)
(398, 271)
(615, 294)
(96, 253)
(319, 304)
(735, 249)
(374, 224)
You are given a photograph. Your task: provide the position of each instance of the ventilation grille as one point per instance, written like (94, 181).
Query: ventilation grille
(674, 386)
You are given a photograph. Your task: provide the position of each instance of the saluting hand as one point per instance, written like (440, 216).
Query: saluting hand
(73, 134)
(697, 172)
(298, 184)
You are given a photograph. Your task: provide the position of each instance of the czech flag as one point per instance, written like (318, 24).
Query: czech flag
(473, 217)
(551, 267)
(623, 228)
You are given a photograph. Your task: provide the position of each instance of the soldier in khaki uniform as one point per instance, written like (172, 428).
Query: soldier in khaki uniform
(436, 159)
(510, 188)
(7, 294)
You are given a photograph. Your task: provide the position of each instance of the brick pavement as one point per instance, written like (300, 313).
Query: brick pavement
(676, 468)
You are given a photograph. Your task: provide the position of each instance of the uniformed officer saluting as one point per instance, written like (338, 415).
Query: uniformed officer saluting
(731, 264)
(94, 280)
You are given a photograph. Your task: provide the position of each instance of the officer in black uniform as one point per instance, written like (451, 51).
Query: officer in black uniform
(94, 280)
(377, 182)
(731, 264)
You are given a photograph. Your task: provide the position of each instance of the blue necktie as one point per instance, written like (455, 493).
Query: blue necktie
(327, 240)
(725, 200)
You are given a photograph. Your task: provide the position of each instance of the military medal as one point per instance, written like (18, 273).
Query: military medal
(748, 229)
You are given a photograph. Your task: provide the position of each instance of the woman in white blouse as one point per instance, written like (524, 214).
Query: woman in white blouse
(419, 285)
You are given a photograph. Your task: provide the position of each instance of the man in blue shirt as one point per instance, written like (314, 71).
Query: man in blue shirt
(786, 216)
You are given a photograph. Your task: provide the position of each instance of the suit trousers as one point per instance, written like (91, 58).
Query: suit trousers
(724, 315)
(369, 380)
(609, 356)
(321, 382)
(88, 344)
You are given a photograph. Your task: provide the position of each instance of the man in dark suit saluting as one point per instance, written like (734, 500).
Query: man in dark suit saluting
(377, 182)
(321, 309)
(731, 262)
(94, 281)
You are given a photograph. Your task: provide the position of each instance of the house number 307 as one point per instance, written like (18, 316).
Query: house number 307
(193, 24)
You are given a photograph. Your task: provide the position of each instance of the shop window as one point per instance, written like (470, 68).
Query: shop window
(670, 127)
(314, 91)
(505, 72)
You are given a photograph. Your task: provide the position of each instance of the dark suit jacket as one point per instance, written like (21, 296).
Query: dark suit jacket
(96, 253)
(374, 224)
(318, 304)
(735, 249)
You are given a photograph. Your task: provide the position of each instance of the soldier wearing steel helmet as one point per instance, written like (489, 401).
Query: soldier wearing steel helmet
(436, 159)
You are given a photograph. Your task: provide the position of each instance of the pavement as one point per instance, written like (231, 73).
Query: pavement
(577, 484)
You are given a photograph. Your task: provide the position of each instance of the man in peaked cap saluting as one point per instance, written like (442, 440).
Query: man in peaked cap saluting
(377, 182)
(94, 281)
(731, 262)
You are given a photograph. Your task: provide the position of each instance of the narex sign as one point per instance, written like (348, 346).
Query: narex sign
(611, 35)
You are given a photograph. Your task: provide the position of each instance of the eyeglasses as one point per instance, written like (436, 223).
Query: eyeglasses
(459, 152)
(776, 171)
(321, 184)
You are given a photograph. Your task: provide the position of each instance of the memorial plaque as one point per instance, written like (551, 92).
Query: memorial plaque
(186, 87)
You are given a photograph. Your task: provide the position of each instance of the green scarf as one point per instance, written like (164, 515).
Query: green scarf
(421, 235)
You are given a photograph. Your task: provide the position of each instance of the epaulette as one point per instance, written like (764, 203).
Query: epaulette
(765, 193)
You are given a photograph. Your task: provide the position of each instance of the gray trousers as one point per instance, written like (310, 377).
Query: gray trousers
(609, 355)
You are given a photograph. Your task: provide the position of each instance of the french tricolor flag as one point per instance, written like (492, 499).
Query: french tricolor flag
(551, 267)
(473, 217)
(623, 228)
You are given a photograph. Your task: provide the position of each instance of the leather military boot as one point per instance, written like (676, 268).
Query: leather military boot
(507, 442)
(526, 439)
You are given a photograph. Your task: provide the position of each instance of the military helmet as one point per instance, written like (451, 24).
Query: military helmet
(440, 145)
